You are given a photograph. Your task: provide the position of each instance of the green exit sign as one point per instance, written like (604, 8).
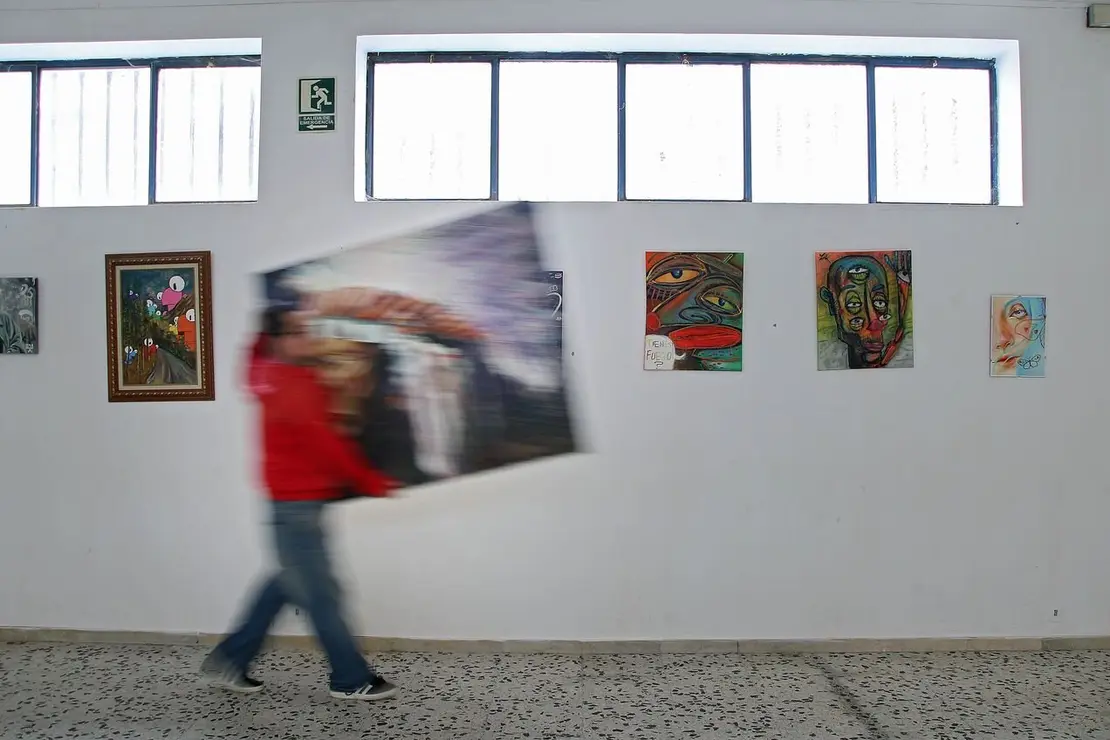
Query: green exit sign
(316, 104)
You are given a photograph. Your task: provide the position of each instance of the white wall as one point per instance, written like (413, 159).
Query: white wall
(780, 502)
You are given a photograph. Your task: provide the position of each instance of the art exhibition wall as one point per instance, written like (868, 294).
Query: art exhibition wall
(779, 502)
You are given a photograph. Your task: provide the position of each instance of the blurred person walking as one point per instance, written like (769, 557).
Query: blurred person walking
(306, 463)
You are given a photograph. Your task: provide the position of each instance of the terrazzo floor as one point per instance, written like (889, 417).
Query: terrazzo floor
(110, 692)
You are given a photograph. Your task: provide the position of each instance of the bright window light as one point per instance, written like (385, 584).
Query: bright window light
(809, 133)
(684, 132)
(208, 120)
(933, 135)
(558, 131)
(15, 138)
(431, 132)
(94, 134)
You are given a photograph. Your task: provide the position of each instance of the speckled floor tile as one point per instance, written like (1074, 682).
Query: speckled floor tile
(541, 666)
(602, 666)
(539, 719)
(980, 695)
(102, 692)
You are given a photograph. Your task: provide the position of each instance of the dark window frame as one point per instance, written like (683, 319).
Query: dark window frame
(622, 59)
(155, 65)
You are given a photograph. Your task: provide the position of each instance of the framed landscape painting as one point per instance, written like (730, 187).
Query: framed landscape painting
(159, 310)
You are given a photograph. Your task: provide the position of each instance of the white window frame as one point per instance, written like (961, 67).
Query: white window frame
(1000, 57)
(154, 55)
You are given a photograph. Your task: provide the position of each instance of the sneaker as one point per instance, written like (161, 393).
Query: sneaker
(221, 674)
(376, 689)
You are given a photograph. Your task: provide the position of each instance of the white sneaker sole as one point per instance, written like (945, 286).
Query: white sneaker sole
(219, 683)
(381, 696)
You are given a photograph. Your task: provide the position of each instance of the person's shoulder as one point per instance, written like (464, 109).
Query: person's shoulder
(294, 393)
(280, 375)
(299, 381)
(286, 375)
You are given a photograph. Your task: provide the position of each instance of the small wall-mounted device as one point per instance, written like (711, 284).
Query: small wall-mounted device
(1098, 16)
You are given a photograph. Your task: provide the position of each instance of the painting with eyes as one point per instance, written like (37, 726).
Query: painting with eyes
(159, 327)
(695, 318)
(864, 310)
(441, 349)
(19, 316)
(1017, 336)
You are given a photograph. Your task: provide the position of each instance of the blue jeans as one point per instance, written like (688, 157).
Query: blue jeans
(305, 579)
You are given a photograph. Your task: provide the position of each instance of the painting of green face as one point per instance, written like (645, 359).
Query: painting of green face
(867, 297)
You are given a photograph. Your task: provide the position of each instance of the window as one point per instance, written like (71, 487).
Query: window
(94, 134)
(432, 130)
(557, 131)
(207, 147)
(933, 135)
(129, 132)
(809, 133)
(15, 137)
(600, 126)
(684, 132)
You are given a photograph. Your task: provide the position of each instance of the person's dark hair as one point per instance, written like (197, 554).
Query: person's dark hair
(273, 321)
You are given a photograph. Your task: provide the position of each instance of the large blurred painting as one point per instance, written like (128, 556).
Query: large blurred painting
(439, 347)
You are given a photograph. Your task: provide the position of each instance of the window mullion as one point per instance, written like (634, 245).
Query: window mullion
(369, 128)
(494, 126)
(872, 140)
(747, 133)
(152, 143)
(36, 79)
(622, 124)
(993, 86)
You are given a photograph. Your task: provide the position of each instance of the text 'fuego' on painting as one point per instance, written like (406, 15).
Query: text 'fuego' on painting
(1017, 336)
(442, 349)
(694, 311)
(864, 310)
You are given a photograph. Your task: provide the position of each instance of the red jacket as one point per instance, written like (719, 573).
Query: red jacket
(304, 458)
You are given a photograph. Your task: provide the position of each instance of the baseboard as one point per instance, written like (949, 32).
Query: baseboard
(596, 647)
